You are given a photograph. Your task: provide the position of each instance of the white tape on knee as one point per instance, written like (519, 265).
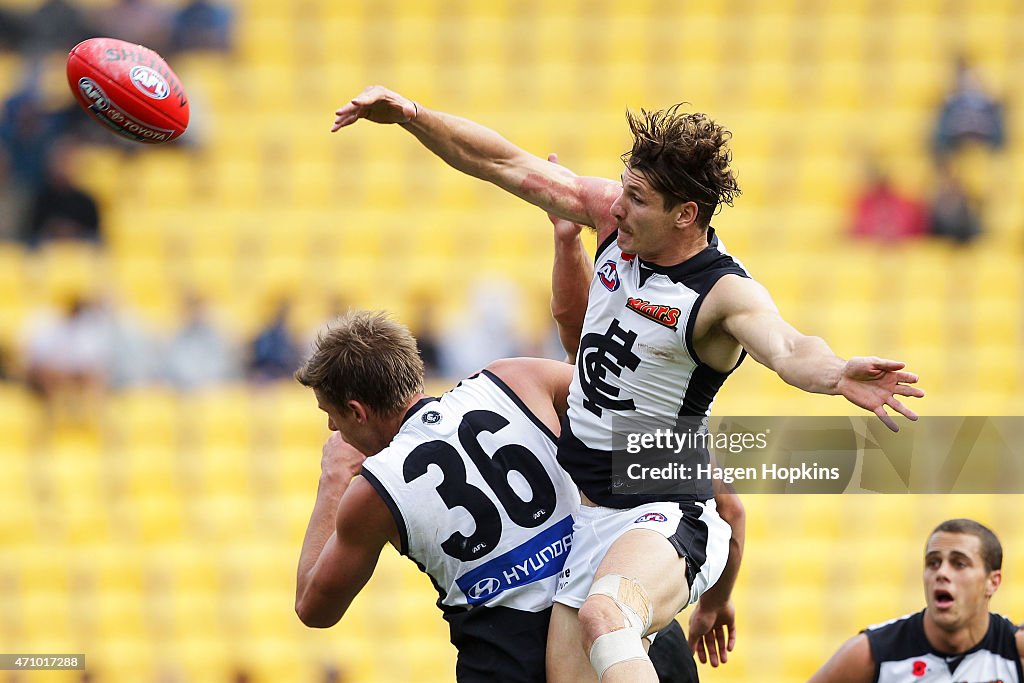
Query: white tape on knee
(616, 647)
(629, 596)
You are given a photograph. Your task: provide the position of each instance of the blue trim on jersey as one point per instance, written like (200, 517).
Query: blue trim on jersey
(540, 557)
(522, 406)
(403, 533)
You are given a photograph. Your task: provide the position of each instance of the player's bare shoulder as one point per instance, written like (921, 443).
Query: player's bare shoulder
(735, 293)
(852, 663)
(731, 295)
(541, 384)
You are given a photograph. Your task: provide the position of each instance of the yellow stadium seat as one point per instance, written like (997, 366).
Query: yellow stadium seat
(220, 418)
(145, 417)
(18, 523)
(201, 657)
(21, 420)
(154, 519)
(46, 619)
(67, 270)
(222, 518)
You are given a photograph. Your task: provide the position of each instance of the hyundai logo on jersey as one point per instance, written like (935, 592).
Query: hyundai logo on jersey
(609, 276)
(483, 589)
(540, 557)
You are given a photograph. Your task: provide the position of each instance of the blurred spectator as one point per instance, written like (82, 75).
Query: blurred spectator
(428, 341)
(137, 21)
(953, 212)
(12, 29)
(968, 114)
(56, 25)
(332, 674)
(12, 201)
(59, 209)
(66, 356)
(274, 353)
(487, 332)
(881, 213)
(26, 131)
(133, 349)
(202, 25)
(199, 355)
(5, 373)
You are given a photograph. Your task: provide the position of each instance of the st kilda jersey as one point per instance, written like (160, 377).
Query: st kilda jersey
(637, 366)
(484, 509)
(903, 654)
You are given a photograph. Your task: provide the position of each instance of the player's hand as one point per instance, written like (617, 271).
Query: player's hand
(873, 383)
(565, 230)
(707, 633)
(340, 460)
(377, 104)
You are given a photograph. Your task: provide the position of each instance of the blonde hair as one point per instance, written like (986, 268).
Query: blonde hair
(367, 357)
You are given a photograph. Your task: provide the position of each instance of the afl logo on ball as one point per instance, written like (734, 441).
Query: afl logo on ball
(609, 276)
(651, 517)
(431, 417)
(149, 82)
(481, 589)
(97, 98)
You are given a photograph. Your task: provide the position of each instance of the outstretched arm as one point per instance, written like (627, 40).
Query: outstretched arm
(852, 663)
(483, 153)
(349, 526)
(749, 315)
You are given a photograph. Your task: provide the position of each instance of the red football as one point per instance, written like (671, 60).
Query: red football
(129, 89)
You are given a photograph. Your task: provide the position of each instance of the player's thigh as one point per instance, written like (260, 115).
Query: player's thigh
(566, 660)
(650, 558)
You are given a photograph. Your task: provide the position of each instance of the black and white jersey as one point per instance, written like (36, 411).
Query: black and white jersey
(484, 509)
(636, 362)
(903, 654)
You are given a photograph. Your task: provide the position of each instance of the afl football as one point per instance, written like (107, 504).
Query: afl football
(129, 89)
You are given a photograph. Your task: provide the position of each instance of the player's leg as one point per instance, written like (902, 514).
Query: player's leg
(672, 657)
(566, 660)
(670, 653)
(639, 587)
(656, 564)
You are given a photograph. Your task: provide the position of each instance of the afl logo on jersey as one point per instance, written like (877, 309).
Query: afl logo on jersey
(431, 417)
(651, 517)
(609, 276)
(483, 588)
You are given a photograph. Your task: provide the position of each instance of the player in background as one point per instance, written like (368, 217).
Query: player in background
(474, 469)
(670, 315)
(955, 637)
